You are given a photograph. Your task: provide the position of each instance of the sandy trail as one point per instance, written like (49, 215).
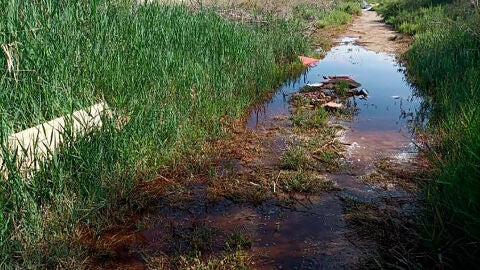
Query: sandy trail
(375, 35)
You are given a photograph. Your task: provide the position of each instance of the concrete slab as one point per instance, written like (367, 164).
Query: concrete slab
(38, 143)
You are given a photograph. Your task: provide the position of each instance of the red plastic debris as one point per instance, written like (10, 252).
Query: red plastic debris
(307, 61)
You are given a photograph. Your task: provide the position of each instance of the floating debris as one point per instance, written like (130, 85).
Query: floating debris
(308, 61)
(337, 83)
(342, 79)
(362, 92)
(331, 92)
(314, 84)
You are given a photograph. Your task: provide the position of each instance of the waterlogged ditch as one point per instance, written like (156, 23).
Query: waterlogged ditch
(382, 123)
(250, 208)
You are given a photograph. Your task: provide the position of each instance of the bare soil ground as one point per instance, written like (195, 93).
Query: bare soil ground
(375, 35)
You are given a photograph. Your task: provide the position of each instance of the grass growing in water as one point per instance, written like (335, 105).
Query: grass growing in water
(294, 159)
(157, 66)
(445, 63)
(304, 118)
(303, 181)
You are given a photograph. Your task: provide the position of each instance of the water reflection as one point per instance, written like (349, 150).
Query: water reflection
(391, 106)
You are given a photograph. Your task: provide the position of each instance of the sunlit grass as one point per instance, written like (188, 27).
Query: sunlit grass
(178, 77)
(444, 62)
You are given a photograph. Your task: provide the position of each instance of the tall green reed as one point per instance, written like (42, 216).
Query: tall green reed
(171, 76)
(445, 63)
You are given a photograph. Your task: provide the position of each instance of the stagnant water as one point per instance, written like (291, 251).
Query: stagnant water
(383, 121)
(381, 126)
(312, 235)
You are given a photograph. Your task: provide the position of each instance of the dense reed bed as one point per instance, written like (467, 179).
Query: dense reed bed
(173, 79)
(444, 62)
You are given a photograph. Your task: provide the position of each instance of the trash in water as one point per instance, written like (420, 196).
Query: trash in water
(331, 92)
(342, 79)
(314, 84)
(362, 93)
(308, 61)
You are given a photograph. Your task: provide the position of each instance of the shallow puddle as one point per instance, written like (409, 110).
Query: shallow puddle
(382, 121)
(314, 237)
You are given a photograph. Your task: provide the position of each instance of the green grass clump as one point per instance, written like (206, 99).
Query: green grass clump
(444, 62)
(412, 16)
(294, 158)
(341, 88)
(303, 181)
(306, 119)
(339, 13)
(239, 241)
(178, 76)
(334, 18)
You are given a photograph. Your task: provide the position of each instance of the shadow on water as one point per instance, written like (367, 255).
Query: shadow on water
(310, 235)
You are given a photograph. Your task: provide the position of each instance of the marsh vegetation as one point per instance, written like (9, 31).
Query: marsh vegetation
(156, 66)
(178, 78)
(444, 62)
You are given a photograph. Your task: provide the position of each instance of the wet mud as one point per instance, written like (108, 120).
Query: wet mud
(238, 204)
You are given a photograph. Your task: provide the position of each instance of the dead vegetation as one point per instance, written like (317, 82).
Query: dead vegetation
(404, 171)
(280, 8)
(388, 237)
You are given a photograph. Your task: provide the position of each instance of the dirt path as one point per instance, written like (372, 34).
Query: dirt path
(240, 204)
(375, 35)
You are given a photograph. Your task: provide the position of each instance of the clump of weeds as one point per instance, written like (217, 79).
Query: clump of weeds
(238, 259)
(298, 101)
(193, 240)
(305, 119)
(196, 246)
(303, 181)
(341, 89)
(294, 158)
(251, 188)
(238, 241)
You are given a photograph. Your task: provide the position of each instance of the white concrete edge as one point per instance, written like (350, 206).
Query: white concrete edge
(38, 143)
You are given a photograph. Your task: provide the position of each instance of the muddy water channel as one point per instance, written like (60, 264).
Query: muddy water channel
(310, 231)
